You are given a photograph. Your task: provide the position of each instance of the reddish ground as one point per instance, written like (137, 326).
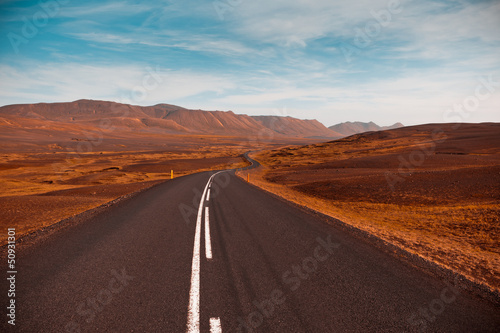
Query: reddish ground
(431, 189)
(47, 175)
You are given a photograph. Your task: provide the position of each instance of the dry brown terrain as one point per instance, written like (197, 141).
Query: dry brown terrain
(39, 189)
(60, 159)
(431, 189)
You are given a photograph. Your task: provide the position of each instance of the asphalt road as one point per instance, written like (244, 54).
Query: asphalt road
(153, 264)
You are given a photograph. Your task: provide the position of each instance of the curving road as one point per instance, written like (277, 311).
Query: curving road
(208, 252)
(253, 163)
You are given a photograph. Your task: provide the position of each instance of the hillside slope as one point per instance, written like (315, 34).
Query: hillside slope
(296, 127)
(163, 118)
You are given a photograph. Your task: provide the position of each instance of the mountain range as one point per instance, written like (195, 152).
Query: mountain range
(167, 119)
(164, 118)
(351, 128)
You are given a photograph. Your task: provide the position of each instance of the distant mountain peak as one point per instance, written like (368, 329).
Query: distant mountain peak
(354, 127)
(168, 106)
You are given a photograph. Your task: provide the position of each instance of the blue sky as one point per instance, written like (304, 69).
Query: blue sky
(367, 60)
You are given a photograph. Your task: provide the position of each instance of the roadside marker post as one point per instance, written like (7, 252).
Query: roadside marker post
(171, 174)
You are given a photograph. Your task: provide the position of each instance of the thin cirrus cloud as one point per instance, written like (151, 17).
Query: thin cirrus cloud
(315, 58)
(205, 43)
(116, 8)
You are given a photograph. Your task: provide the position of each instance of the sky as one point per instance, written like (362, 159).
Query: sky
(385, 61)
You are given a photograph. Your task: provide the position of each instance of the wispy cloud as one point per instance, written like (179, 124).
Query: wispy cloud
(197, 43)
(115, 8)
(420, 58)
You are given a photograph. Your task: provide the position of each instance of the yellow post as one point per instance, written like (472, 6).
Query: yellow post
(248, 178)
(171, 174)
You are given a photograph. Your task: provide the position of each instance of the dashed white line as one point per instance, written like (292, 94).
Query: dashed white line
(208, 243)
(215, 326)
(208, 195)
(193, 322)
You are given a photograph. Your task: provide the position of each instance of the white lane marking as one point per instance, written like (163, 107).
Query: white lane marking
(215, 326)
(193, 322)
(208, 195)
(208, 243)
